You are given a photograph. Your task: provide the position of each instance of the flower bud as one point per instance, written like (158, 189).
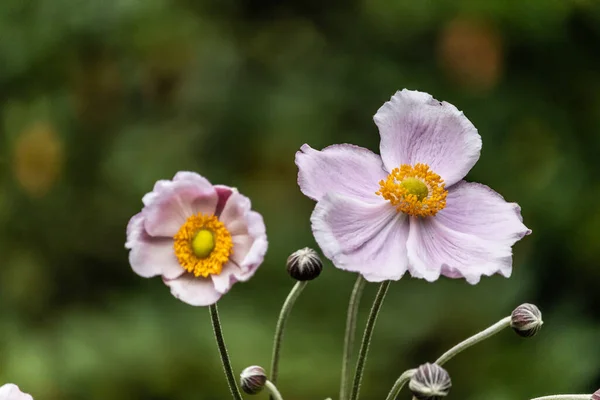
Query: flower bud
(596, 395)
(430, 382)
(304, 264)
(526, 320)
(253, 379)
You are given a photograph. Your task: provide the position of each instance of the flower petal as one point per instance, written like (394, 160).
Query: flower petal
(150, 256)
(228, 276)
(253, 258)
(248, 233)
(223, 192)
(362, 237)
(345, 169)
(194, 291)
(471, 237)
(11, 391)
(476, 209)
(248, 254)
(173, 203)
(416, 128)
(234, 213)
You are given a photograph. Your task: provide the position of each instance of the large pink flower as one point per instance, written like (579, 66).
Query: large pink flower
(409, 209)
(200, 238)
(12, 392)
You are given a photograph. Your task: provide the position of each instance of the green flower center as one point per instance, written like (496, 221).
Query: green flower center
(203, 243)
(415, 186)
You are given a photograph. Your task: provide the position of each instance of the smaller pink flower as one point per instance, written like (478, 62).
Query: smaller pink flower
(12, 392)
(201, 238)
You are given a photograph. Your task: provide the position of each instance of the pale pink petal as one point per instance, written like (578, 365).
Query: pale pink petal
(471, 237)
(248, 233)
(159, 186)
(345, 169)
(150, 256)
(241, 269)
(241, 246)
(11, 391)
(362, 237)
(476, 209)
(175, 203)
(194, 291)
(223, 192)
(234, 213)
(162, 185)
(198, 179)
(253, 259)
(227, 277)
(416, 128)
(433, 248)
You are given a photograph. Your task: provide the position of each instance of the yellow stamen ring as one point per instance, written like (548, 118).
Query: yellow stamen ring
(203, 245)
(414, 190)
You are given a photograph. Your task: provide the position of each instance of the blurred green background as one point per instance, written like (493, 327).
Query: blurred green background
(100, 98)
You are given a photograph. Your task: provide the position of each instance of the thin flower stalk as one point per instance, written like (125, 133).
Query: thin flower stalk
(492, 330)
(366, 340)
(275, 395)
(353, 306)
(279, 330)
(231, 381)
(565, 397)
(404, 378)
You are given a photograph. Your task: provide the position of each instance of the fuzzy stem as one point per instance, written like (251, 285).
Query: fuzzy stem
(492, 330)
(405, 377)
(565, 397)
(366, 340)
(350, 333)
(283, 316)
(231, 381)
(273, 390)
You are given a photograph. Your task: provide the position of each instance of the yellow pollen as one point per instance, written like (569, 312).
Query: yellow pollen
(203, 245)
(414, 190)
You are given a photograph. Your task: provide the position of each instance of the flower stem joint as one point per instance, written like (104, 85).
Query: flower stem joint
(304, 265)
(526, 320)
(430, 382)
(253, 379)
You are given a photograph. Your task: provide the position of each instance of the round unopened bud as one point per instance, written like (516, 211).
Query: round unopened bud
(526, 320)
(430, 382)
(253, 379)
(304, 265)
(596, 395)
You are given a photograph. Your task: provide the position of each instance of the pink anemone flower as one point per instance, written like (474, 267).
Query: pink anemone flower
(12, 392)
(410, 209)
(201, 238)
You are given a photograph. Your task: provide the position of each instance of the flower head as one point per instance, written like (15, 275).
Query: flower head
(200, 238)
(253, 379)
(304, 264)
(410, 209)
(12, 392)
(526, 320)
(430, 382)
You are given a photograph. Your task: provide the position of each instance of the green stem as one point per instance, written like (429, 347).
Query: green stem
(565, 397)
(405, 377)
(231, 381)
(283, 316)
(366, 340)
(273, 390)
(492, 330)
(350, 333)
